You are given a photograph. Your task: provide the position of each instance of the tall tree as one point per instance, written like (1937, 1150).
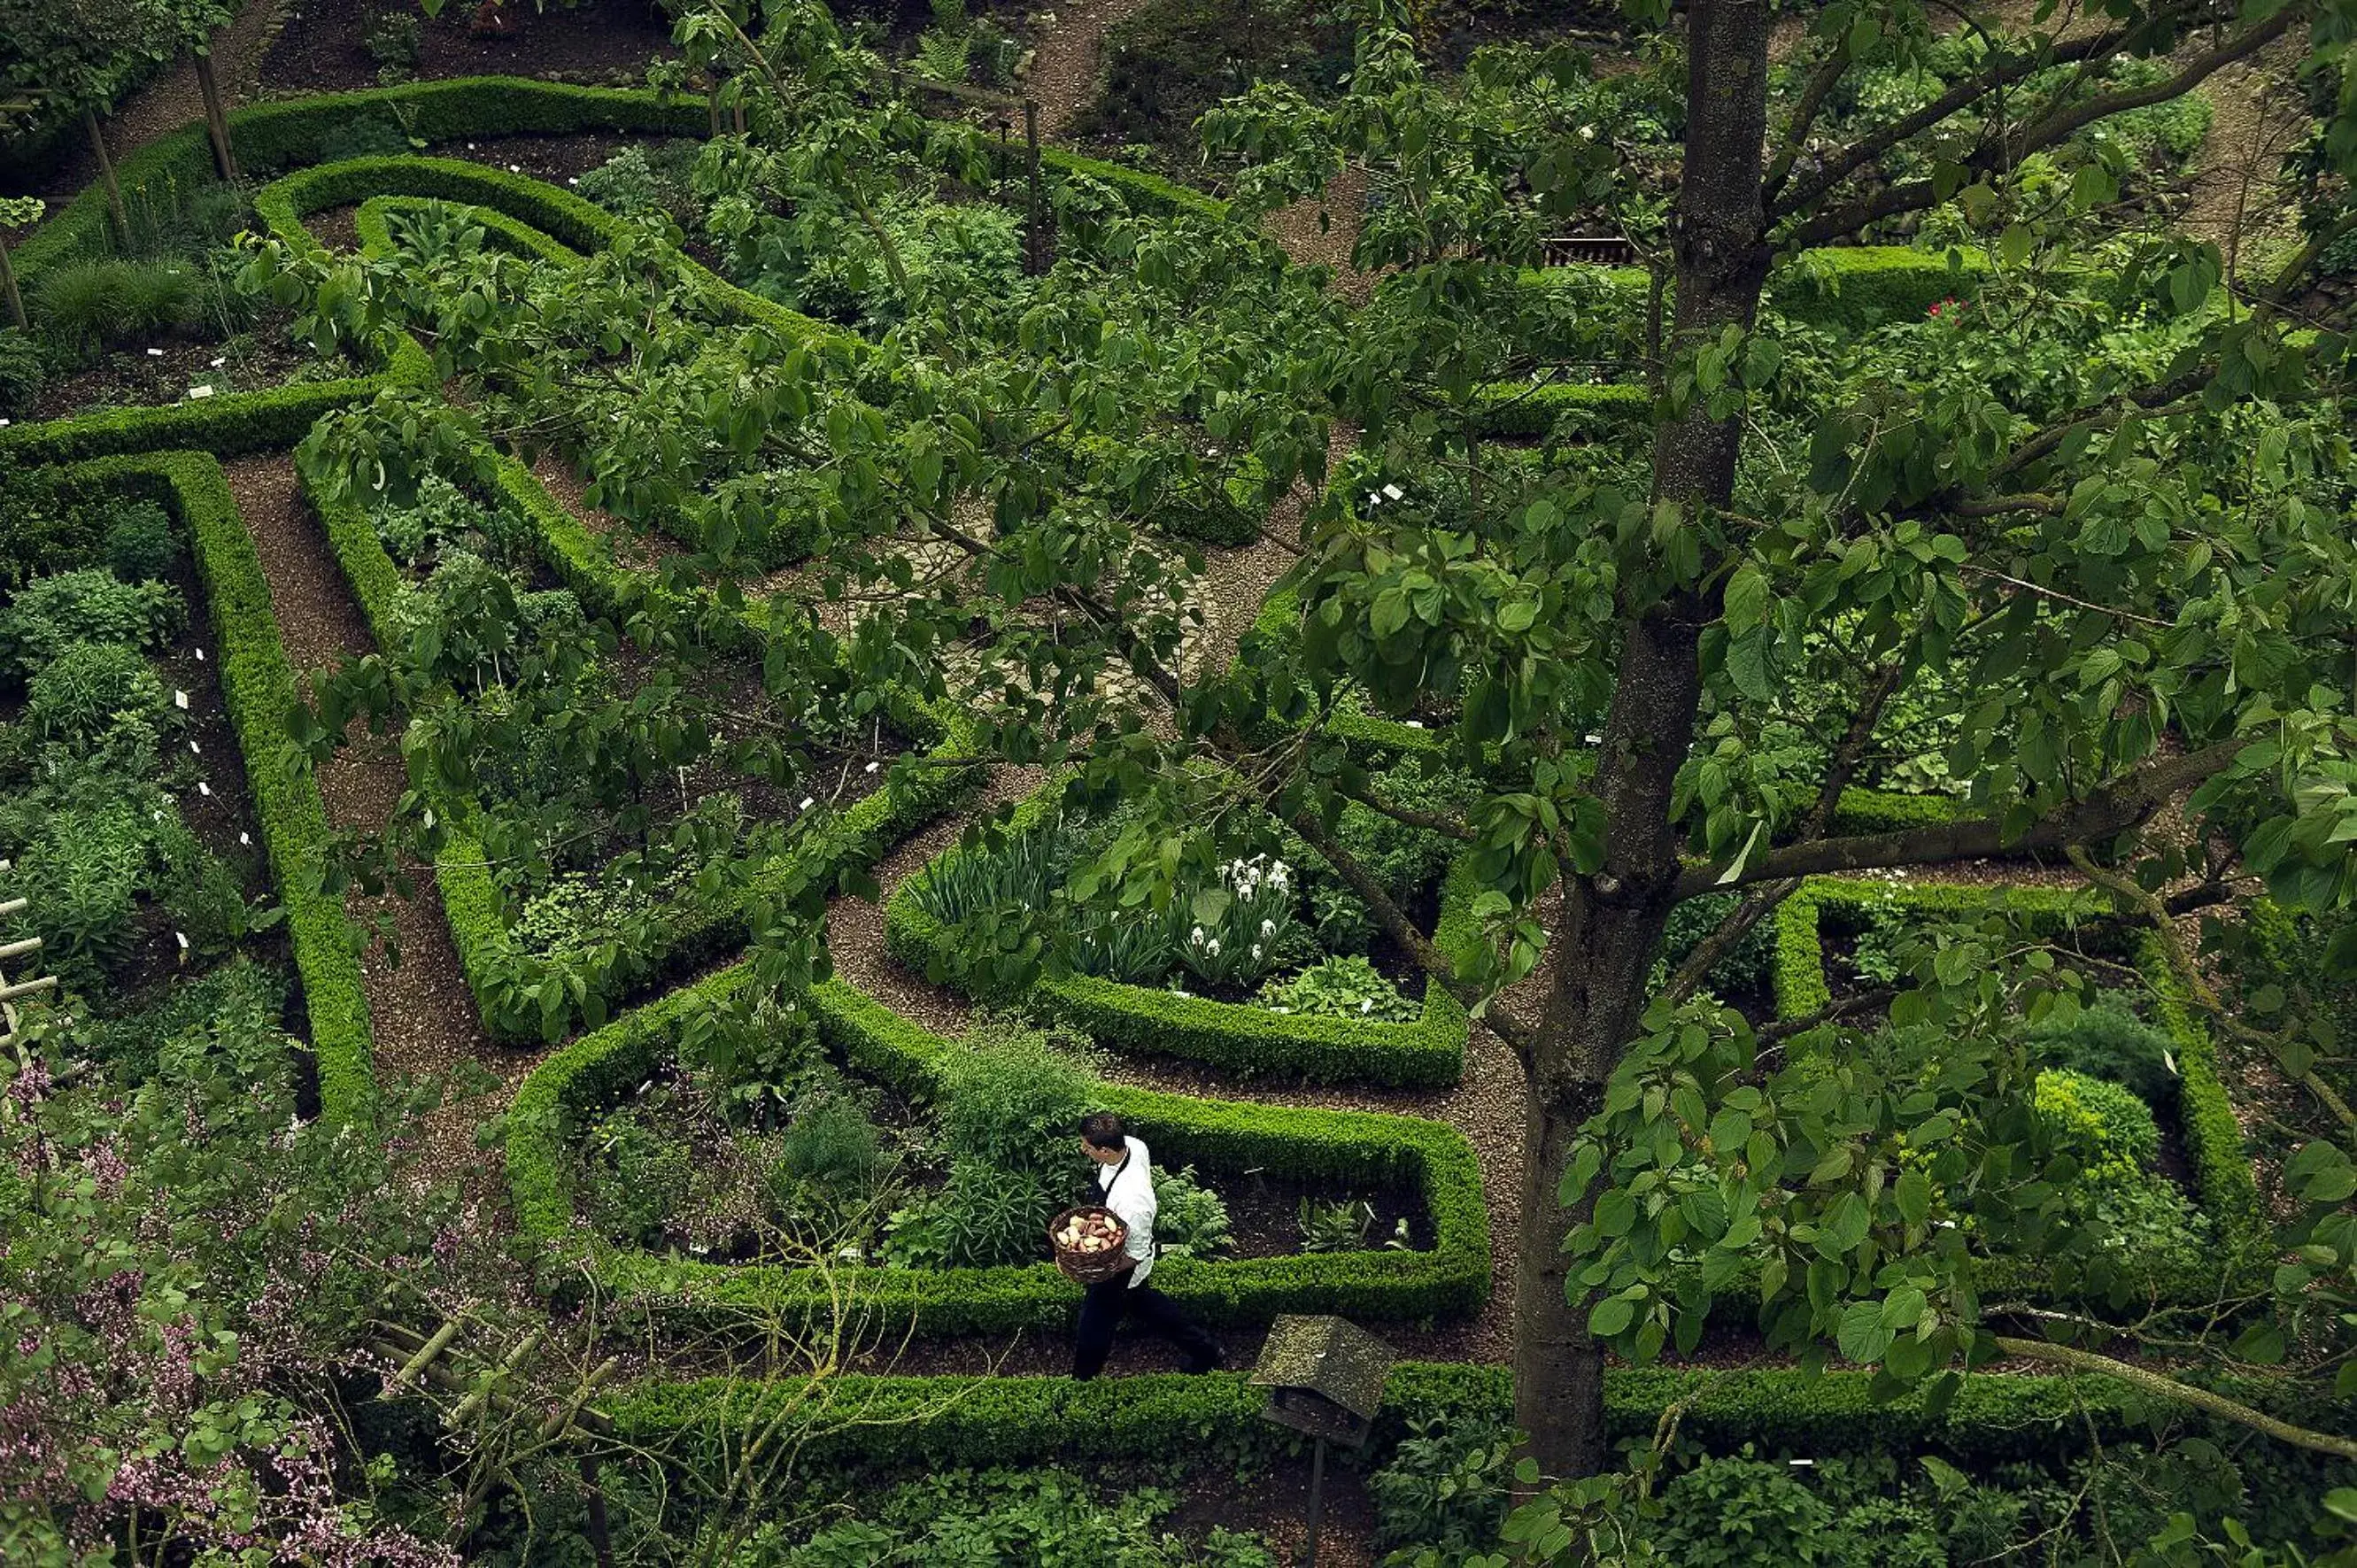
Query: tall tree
(2090, 522)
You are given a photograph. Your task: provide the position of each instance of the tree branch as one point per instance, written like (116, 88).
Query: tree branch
(1785, 1028)
(2178, 1393)
(2008, 152)
(1517, 1032)
(1805, 118)
(2114, 808)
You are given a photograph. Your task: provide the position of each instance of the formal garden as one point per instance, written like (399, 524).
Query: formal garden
(1668, 697)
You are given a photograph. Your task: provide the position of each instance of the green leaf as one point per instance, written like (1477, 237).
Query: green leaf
(1610, 1317)
(1862, 1335)
(1913, 1192)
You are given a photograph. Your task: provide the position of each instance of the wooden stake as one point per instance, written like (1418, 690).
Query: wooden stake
(216, 119)
(97, 134)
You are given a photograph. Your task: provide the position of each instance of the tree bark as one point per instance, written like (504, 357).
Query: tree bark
(8, 289)
(216, 118)
(1613, 919)
(115, 207)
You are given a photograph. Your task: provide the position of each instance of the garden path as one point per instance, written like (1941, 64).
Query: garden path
(420, 1009)
(1063, 76)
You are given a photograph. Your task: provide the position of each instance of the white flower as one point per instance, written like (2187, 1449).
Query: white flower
(1213, 946)
(1257, 950)
(1267, 929)
(1196, 936)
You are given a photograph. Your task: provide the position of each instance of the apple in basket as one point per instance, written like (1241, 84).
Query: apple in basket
(1089, 1233)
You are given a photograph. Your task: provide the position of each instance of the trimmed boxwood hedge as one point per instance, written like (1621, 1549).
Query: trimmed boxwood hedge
(1237, 1037)
(268, 138)
(558, 214)
(2222, 1182)
(470, 903)
(889, 1422)
(258, 687)
(501, 231)
(1362, 1147)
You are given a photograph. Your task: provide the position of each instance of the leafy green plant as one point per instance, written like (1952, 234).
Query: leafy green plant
(1010, 1099)
(91, 689)
(397, 43)
(1742, 1512)
(23, 372)
(1338, 1226)
(1190, 1219)
(442, 519)
(1744, 968)
(142, 546)
(1348, 986)
(1041, 1518)
(626, 183)
(135, 1045)
(831, 1146)
(637, 1177)
(1445, 1487)
(982, 1216)
(91, 605)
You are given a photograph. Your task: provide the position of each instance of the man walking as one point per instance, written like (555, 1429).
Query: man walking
(1125, 1178)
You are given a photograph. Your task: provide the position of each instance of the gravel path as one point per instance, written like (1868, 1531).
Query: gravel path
(421, 1010)
(1063, 77)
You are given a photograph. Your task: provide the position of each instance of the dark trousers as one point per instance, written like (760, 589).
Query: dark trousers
(1109, 1301)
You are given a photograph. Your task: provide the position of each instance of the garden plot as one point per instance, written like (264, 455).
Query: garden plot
(2129, 1085)
(936, 1216)
(1263, 962)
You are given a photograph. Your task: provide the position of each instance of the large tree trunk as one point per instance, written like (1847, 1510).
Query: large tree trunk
(1613, 921)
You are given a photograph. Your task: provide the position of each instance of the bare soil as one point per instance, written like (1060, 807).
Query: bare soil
(322, 46)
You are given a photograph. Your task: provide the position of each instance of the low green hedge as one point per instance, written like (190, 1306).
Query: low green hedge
(258, 688)
(1508, 410)
(2222, 1182)
(1235, 1037)
(501, 231)
(559, 215)
(1360, 1147)
(268, 138)
(1143, 192)
(1854, 288)
(884, 1423)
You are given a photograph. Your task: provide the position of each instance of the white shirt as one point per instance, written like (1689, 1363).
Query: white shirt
(1128, 1189)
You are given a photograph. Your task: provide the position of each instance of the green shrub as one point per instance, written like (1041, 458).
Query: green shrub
(2109, 1041)
(1190, 1220)
(625, 183)
(1339, 1226)
(1743, 1513)
(1243, 925)
(829, 1145)
(1445, 1487)
(142, 546)
(1345, 987)
(363, 136)
(1042, 1518)
(1011, 1100)
(1744, 968)
(23, 372)
(396, 42)
(2110, 1131)
(91, 605)
(84, 873)
(90, 690)
(135, 1045)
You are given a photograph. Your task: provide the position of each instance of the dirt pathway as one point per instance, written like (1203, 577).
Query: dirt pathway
(172, 99)
(1063, 77)
(422, 1012)
(2257, 117)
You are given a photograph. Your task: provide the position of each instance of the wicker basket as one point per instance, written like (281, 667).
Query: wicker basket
(1089, 1268)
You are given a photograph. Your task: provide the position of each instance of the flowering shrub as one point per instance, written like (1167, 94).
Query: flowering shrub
(1242, 924)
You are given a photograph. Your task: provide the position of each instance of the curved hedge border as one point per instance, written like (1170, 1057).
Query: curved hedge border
(1233, 1037)
(558, 214)
(258, 686)
(2222, 1182)
(1366, 1147)
(501, 231)
(890, 1422)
